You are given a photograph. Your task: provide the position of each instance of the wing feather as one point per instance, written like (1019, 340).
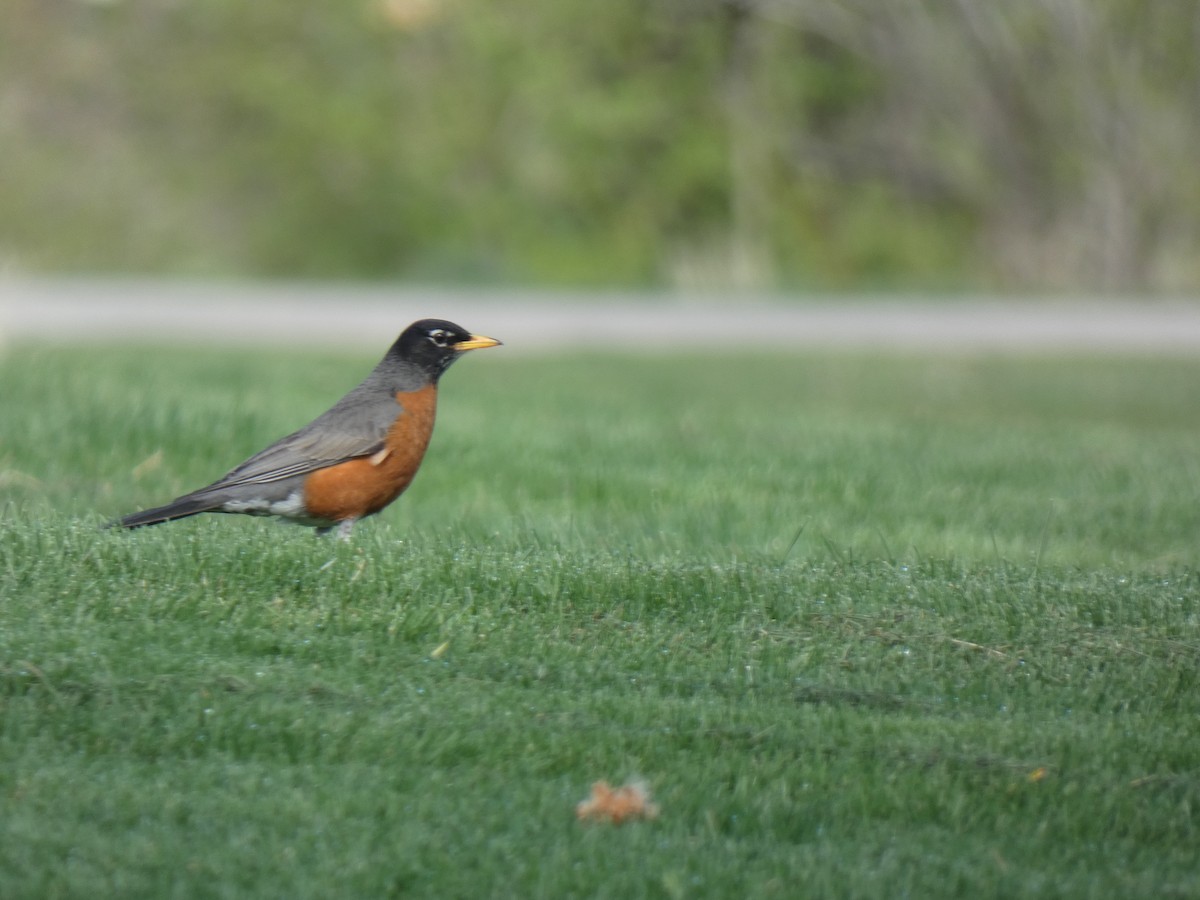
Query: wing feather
(339, 435)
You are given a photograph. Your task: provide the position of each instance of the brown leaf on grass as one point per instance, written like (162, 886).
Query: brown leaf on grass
(630, 801)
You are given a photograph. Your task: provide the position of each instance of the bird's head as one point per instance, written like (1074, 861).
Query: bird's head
(432, 345)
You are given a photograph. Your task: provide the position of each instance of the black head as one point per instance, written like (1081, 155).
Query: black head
(431, 345)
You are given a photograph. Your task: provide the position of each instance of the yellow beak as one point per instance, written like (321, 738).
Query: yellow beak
(477, 342)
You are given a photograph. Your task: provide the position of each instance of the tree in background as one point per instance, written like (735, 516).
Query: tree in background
(1046, 144)
(1064, 127)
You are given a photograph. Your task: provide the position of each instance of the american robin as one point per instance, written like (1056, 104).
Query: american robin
(351, 461)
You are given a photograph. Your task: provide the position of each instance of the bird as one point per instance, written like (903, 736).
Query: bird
(351, 461)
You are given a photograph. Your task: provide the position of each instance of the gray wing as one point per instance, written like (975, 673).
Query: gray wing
(344, 432)
(356, 427)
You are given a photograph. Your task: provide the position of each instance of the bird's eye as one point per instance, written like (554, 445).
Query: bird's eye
(439, 337)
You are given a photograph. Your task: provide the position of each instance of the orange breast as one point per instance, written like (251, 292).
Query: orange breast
(360, 487)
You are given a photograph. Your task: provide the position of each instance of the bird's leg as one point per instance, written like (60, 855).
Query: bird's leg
(344, 528)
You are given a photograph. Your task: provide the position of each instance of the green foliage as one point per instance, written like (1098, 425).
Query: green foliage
(705, 144)
(974, 671)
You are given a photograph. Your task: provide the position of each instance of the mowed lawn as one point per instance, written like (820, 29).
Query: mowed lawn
(868, 626)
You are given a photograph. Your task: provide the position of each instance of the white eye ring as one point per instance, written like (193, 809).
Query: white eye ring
(439, 337)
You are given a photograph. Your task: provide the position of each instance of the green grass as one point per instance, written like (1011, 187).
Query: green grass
(869, 627)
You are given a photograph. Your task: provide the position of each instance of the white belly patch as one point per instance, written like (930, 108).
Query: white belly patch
(290, 508)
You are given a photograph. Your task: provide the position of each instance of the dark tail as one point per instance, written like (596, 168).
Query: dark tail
(177, 509)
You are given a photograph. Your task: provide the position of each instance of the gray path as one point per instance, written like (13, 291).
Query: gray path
(367, 317)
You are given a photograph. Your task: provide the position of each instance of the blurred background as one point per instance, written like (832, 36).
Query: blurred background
(757, 145)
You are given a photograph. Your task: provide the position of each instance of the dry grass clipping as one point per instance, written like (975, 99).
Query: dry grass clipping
(630, 801)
